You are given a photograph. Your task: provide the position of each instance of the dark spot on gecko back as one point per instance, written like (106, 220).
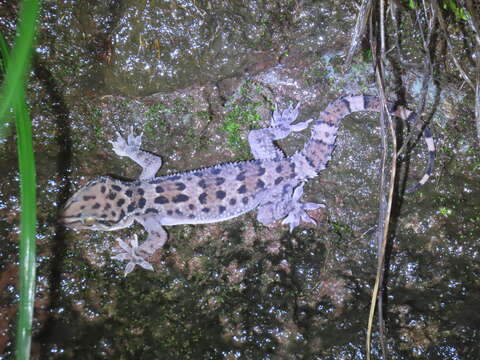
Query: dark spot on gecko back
(112, 195)
(120, 202)
(202, 184)
(261, 171)
(279, 169)
(103, 188)
(260, 184)
(116, 188)
(129, 193)
(159, 189)
(141, 203)
(232, 201)
(151, 211)
(88, 197)
(216, 171)
(161, 200)
(180, 198)
(131, 207)
(278, 180)
(245, 200)
(203, 198)
(180, 186)
(241, 176)
(221, 209)
(140, 191)
(242, 189)
(292, 168)
(219, 181)
(96, 206)
(206, 210)
(220, 194)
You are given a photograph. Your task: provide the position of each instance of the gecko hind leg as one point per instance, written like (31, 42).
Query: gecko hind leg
(262, 141)
(289, 208)
(298, 210)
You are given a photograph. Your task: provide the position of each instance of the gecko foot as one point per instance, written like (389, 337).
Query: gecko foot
(128, 147)
(299, 210)
(130, 253)
(282, 121)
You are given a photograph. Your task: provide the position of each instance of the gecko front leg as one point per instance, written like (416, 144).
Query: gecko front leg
(262, 141)
(150, 163)
(137, 255)
(129, 252)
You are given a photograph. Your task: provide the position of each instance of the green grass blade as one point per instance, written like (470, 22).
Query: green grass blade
(16, 70)
(27, 226)
(13, 95)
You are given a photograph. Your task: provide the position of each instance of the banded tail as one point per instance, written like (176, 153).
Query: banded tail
(318, 149)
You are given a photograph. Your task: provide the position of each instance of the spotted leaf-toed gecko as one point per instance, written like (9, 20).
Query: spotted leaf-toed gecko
(272, 182)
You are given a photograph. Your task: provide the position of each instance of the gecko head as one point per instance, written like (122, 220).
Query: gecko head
(100, 205)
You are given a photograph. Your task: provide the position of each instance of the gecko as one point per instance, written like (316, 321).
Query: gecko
(272, 182)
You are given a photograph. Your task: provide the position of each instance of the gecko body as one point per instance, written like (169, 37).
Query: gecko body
(272, 183)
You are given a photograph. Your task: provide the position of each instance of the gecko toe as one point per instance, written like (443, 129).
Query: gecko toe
(298, 210)
(130, 253)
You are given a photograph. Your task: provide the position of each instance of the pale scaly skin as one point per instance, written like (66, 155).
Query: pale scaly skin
(271, 183)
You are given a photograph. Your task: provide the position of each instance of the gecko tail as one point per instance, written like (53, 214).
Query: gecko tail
(318, 149)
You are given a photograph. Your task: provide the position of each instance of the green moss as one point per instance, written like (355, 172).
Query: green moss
(315, 74)
(341, 229)
(241, 118)
(96, 118)
(445, 211)
(155, 116)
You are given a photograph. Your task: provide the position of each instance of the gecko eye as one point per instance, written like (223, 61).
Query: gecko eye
(89, 221)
